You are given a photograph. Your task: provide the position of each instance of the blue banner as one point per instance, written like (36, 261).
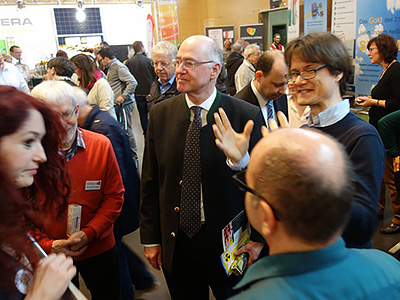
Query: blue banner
(373, 19)
(315, 15)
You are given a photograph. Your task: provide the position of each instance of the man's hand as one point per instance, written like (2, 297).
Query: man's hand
(153, 255)
(120, 99)
(78, 240)
(233, 144)
(273, 125)
(253, 248)
(52, 277)
(396, 164)
(63, 246)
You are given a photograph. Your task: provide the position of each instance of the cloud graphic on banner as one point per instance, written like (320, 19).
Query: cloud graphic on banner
(377, 30)
(362, 39)
(393, 5)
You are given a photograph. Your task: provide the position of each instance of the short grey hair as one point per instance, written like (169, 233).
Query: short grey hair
(165, 48)
(54, 92)
(215, 53)
(250, 49)
(236, 47)
(81, 96)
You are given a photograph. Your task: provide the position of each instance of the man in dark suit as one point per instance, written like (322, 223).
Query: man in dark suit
(141, 68)
(191, 262)
(233, 63)
(268, 86)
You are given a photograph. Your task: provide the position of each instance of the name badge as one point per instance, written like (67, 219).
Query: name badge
(93, 185)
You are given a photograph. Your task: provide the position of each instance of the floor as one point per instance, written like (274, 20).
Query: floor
(160, 291)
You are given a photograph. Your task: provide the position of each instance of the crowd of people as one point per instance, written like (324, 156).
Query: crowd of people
(216, 143)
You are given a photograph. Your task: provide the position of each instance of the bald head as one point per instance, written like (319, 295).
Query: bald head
(270, 78)
(306, 177)
(271, 59)
(206, 45)
(199, 62)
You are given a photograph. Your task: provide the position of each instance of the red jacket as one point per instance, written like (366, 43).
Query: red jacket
(100, 207)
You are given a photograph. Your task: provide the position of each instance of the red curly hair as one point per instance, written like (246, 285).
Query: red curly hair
(51, 181)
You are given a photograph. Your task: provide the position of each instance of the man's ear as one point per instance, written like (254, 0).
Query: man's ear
(339, 77)
(77, 110)
(215, 70)
(269, 223)
(258, 75)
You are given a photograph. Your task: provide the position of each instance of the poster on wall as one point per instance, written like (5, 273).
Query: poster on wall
(277, 3)
(293, 20)
(150, 33)
(315, 15)
(344, 22)
(221, 33)
(168, 21)
(372, 20)
(253, 34)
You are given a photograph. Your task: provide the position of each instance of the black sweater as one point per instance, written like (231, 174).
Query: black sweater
(388, 88)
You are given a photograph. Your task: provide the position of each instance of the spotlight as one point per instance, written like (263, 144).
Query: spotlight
(20, 4)
(80, 4)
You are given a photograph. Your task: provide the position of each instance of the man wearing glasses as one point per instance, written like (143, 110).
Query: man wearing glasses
(16, 53)
(320, 68)
(320, 75)
(96, 186)
(288, 197)
(164, 86)
(188, 195)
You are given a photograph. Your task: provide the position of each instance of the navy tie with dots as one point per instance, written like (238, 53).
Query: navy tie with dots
(270, 111)
(189, 221)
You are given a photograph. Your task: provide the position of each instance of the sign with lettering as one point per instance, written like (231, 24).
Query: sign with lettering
(372, 20)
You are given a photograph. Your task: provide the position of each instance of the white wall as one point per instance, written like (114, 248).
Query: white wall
(122, 24)
(37, 37)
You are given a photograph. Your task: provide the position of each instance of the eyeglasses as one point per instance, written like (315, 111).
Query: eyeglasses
(191, 64)
(372, 48)
(240, 180)
(305, 74)
(163, 64)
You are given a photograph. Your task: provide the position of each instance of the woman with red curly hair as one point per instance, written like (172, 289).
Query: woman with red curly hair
(29, 165)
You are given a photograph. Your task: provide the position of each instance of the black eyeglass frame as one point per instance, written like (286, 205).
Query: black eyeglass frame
(242, 185)
(289, 76)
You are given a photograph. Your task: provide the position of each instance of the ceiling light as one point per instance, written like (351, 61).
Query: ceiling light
(20, 4)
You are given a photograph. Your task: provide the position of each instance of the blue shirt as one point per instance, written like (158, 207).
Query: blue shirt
(70, 153)
(166, 86)
(335, 272)
(331, 115)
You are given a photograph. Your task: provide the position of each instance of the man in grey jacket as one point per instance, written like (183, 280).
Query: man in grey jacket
(123, 85)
